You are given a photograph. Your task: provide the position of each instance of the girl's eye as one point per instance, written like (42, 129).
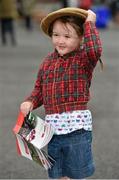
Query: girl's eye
(67, 36)
(55, 35)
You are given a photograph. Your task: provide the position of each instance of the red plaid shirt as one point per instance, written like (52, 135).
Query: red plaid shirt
(63, 82)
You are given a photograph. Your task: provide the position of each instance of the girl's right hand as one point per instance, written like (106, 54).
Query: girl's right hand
(26, 107)
(91, 16)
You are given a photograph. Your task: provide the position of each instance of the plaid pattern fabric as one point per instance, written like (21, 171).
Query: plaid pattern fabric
(63, 82)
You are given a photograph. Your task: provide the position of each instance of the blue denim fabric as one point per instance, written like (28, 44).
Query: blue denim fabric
(73, 155)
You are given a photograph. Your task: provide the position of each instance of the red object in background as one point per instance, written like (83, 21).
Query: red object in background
(85, 4)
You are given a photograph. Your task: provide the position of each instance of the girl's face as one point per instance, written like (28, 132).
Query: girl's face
(65, 38)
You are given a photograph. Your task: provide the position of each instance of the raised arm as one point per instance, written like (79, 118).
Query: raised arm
(92, 41)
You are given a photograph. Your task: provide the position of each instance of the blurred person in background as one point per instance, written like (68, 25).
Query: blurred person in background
(25, 8)
(20, 8)
(114, 7)
(64, 3)
(8, 12)
(69, 3)
(73, 3)
(85, 4)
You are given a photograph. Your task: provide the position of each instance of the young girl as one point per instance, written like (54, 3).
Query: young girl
(62, 86)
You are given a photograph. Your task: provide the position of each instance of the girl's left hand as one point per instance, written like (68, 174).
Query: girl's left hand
(91, 16)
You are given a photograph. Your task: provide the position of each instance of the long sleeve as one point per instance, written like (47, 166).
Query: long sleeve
(36, 96)
(92, 42)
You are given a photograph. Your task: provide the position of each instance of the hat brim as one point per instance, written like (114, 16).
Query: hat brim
(47, 21)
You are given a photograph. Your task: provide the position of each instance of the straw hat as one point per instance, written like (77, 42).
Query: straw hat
(70, 11)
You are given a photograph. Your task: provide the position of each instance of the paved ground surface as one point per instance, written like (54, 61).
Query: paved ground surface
(18, 68)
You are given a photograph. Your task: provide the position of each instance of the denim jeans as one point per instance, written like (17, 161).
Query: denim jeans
(73, 155)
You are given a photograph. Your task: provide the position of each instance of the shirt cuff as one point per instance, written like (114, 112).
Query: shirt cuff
(89, 25)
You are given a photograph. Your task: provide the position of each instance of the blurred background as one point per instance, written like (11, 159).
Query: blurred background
(22, 48)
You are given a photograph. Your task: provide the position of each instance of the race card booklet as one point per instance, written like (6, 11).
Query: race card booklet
(32, 135)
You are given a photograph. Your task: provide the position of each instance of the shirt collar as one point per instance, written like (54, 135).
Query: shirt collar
(66, 56)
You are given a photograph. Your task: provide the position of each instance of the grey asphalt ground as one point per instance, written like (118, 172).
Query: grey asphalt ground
(18, 69)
